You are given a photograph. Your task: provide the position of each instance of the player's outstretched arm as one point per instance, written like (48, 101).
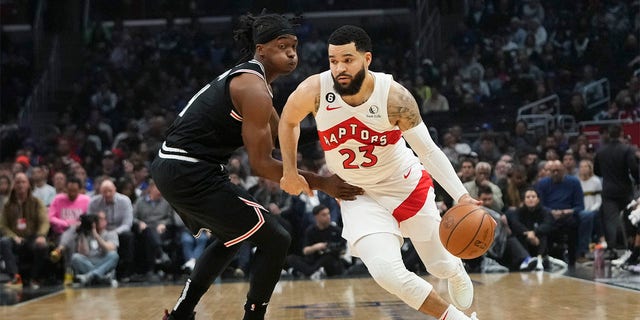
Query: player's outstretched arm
(404, 112)
(299, 104)
(304, 100)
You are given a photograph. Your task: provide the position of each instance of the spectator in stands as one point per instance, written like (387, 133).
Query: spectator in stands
(522, 138)
(86, 147)
(562, 194)
(41, 189)
(5, 189)
(65, 153)
(578, 109)
(110, 166)
(21, 164)
(592, 190)
(537, 29)
(532, 225)
(494, 81)
(551, 153)
(140, 178)
(125, 186)
(575, 142)
(586, 151)
(98, 127)
(93, 250)
(86, 183)
(67, 207)
(500, 171)
(60, 182)
(513, 187)
(130, 139)
(617, 164)
(449, 148)
(482, 175)
(476, 86)
(435, 103)
(533, 9)
(269, 195)
(119, 213)
(323, 246)
(529, 159)
(479, 16)
(421, 91)
(586, 86)
(104, 99)
(569, 163)
(191, 246)
(467, 170)
(487, 149)
(24, 225)
(152, 225)
(528, 73)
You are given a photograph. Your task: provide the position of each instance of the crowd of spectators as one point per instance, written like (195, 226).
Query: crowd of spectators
(502, 56)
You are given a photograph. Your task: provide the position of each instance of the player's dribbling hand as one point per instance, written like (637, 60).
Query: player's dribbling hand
(339, 189)
(466, 198)
(295, 185)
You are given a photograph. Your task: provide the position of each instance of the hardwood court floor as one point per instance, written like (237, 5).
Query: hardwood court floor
(518, 296)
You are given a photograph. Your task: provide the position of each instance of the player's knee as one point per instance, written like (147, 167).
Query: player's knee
(277, 239)
(395, 278)
(283, 238)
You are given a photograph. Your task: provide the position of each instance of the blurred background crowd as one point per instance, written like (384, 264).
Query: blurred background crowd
(516, 92)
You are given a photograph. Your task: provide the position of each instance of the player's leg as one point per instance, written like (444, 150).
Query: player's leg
(380, 252)
(209, 265)
(422, 229)
(272, 242)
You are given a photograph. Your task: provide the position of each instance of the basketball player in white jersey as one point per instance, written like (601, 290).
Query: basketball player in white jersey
(363, 120)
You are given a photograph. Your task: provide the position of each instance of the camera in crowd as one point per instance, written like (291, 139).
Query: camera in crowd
(335, 248)
(87, 222)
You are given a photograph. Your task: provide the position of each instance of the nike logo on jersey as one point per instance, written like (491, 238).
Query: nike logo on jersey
(329, 108)
(407, 174)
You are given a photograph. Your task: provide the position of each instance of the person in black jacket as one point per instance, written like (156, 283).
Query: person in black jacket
(532, 224)
(616, 163)
(323, 246)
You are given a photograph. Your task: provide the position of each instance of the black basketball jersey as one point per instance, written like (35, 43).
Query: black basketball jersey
(209, 128)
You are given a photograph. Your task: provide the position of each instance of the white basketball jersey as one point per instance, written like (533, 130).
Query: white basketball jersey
(360, 144)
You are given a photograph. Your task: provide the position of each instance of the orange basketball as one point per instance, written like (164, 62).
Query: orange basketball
(467, 230)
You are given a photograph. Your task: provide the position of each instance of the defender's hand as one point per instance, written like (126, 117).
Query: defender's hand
(337, 188)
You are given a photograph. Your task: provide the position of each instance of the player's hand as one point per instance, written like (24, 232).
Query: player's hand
(466, 198)
(337, 188)
(295, 185)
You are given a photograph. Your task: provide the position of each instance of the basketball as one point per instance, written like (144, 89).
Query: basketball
(467, 230)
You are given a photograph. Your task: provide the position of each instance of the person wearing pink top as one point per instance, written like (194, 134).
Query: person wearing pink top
(67, 207)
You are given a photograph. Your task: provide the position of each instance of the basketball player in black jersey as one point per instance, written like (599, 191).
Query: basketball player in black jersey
(234, 110)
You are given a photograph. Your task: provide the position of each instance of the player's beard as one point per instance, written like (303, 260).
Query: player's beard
(353, 87)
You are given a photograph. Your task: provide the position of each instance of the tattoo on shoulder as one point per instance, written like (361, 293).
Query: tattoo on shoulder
(404, 107)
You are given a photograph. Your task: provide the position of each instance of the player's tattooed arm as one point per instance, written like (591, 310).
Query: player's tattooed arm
(402, 108)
